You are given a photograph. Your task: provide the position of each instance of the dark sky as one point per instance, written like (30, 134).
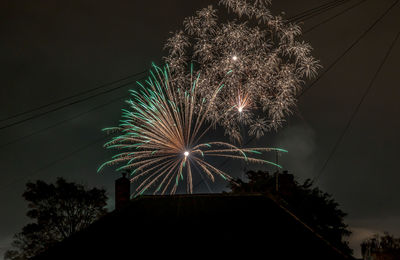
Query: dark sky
(53, 49)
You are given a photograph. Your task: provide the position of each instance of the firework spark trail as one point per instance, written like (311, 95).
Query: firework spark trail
(242, 101)
(270, 62)
(160, 135)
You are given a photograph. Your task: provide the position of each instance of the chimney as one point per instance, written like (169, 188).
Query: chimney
(286, 182)
(122, 191)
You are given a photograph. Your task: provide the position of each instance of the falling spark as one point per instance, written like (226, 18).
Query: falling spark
(243, 101)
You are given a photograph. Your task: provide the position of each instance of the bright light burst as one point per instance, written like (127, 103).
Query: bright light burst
(269, 60)
(160, 135)
(242, 101)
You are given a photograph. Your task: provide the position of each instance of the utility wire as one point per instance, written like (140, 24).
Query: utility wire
(334, 16)
(79, 101)
(66, 105)
(71, 97)
(107, 84)
(349, 48)
(81, 114)
(331, 65)
(64, 121)
(61, 122)
(309, 13)
(353, 115)
(316, 11)
(64, 157)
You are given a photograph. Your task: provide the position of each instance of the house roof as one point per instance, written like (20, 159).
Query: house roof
(187, 226)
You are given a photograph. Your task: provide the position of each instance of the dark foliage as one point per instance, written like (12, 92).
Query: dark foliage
(314, 207)
(58, 211)
(385, 247)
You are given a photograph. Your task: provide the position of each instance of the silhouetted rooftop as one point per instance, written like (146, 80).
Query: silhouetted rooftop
(192, 226)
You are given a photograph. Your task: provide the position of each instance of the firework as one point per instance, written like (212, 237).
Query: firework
(159, 136)
(269, 60)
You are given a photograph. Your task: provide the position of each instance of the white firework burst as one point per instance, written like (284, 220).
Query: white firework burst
(269, 61)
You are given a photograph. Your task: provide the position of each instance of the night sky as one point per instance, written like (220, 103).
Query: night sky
(53, 49)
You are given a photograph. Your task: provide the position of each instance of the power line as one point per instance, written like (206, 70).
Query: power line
(65, 105)
(332, 64)
(61, 122)
(349, 48)
(87, 91)
(316, 11)
(353, 115)
(81, 114)
(71, 97)
(334, 16)
(316, 178)
(66, 156)
(310, 14)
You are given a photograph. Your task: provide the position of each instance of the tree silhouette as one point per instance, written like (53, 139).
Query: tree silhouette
(378, 247)
(58, 210)
(314, 207)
